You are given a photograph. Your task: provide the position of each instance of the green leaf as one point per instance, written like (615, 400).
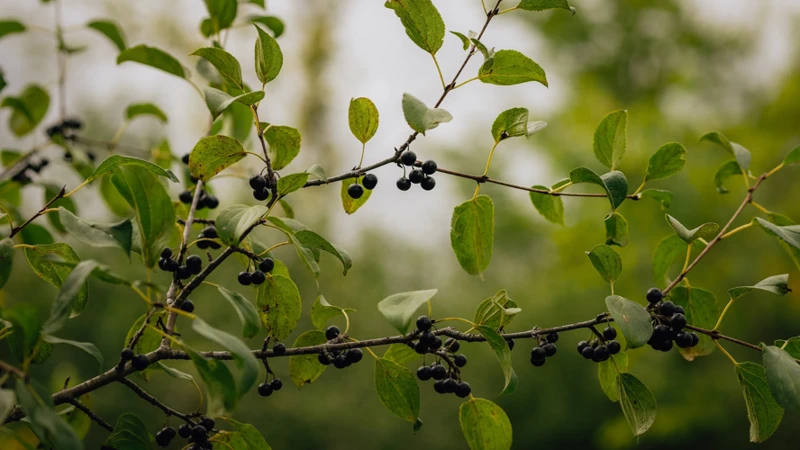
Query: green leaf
(118, 234)
(153, 57)
(284, 145)
(776, 284)
(705, 231)
(633, 320)
(6, 260)
(69, 303)
(145, 109)
(155, 215)
(485, 425)
(493, 311)
(148, 342)
(421, 118)
(608, 371)
(251, 436)
(222, 14)
(399, 308)
(110, 30)
(363, 118)
(317, 172)
(606, 262)
(659, 195)
(614, 183)
(400, 353)
(220, 385)
(788, 234)
(113, 162)
(667, 251)
(791, 345)
(26, 329)
(11, 26)
(322, 312)
(304, 369)
(793, 157)
(314, 241)
(39, 259)
(503, 353)
(7, 401)
(422, 21)
(510, 123)
(668, 160)
(234, 220)
(274, 24)
(213, 154)
(616, 229)
(551, 207)
(472, 233)
(701, 310)
(541, 5)
(245, 310)
(782, 221)
(291, 183)
(487, 54)
(637, 402)
(269, 58)
(610, 138)
(763, 411)
(27, 110)
(130, 433)
(244, 358)
(351, 204)
(397, 389)
(225, 63)
(50, 192)
(783, 376)
(465, 42)
(509, 67)
(218, 101)
(87, 347)
(52, 431)
(35, 234)
(725, 171)
(279, 305)
(741, 154)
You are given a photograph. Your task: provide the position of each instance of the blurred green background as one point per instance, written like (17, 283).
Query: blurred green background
(680, 68)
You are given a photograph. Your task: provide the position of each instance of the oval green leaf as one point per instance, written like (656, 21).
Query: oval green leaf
(397, 389)
(472, 234)
(304, 369)
(633, 320)
(485, 425)
(399, 308)
(279, 306)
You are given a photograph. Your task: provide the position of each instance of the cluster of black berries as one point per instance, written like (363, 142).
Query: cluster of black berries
(206, 200)
(600, 349)
(193, 266)
(260, 187)
(26, 173)
(427, 341)
(369, 181)
(209, 232)
(421, 176)
(196, 434)
(266, 389)
(545, 349)
(257, 276)
(139, 362)
(447, 382)
(66, 129)
(339, 359)
(668, 326)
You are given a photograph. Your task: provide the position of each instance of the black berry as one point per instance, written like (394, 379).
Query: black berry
(427, 338)
(264, 389)
(369, 181)
(450, 385)
(679, 309)
(537, 362)
(538, 353)
(199, 434)
(601, 353)
(614, 347)
(258, 182)
(324, 359)
(549, 349)
(588, 352)
(582, 345)
(421, 348)
(279, 349)
(667, 308)
(424, 323)
(510, 343)
(166, 253)
(185, 197)
(257, 277)
(438, 372)
(609, 333)
(552, 337)
(195, 264)
(164, 437)
(684, 340)
(438, 386)
(428, 183)
(452, 344)
(276, 384)
(463, 389)
(207, 423)
(654, 295)
(184, 272)
(677, 321)
(355, 191)
(354, 355)
(460, 360)
(139, 362)
(424, 373)
(209, 232)
(126, 354)
(187, 306)
(211, 202)
(261, 194)
(429, 167)
(403, 184)
(416, 176)
(244, 278)
(408, 158)
(266, 265)
(695, 338)
(340, 362)
(436, 344)
(332, 332)
(184, 431)
(185, 159)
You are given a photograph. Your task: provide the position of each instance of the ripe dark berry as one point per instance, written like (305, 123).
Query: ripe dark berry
(427, 338)
(582, 345)
(403, 184)
(184, 272)
(549, 349)
(463, 389)
(538, 354)
(185, 159)
(261, 194)
(667, 308)
(171, 265)
(139, 362)
(332, 332)
(184, 431)
(428, 183)
(279, 349)
(460, 360)
(666, 346)
(209, 232)
(679, 309)
(601, 353)
(438, 386)
(452, 345)
(614, 347)
(258, 182)
(450, 385)
(354, 355)
(661, 332)
(683, 339)
(421, 348)
(408, 158)
(677, 321)
(324, 359)
(588, 352)
(163, 437)
(211, 202)
(185, 197)
(609, 333)
(340, 362)
(355, 191)
(424, 373)
(264, 389)
(187, 306)
(195, 264)
(166, 253)
(436, 344)
(369, 181)
(424, 323)
(126, 354)
(416, 176)
(244, 278)
(510, 343)
(266, 265)
(162, 264)
(537, 362)
(199, 434)
(695, 338)
(654, 295)
(429, 167)
(257, 277)
(276, 384)
(552, 337)
(438, 372)
(207, 423)
(202, 245)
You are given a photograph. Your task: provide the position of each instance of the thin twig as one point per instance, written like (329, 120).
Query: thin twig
(77, 403)
(39, 213)
(154, 401)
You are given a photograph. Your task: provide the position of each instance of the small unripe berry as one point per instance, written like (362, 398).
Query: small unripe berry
(403, 184)
(408, 158)
(369, 181)
(332, 332)
(355, 191)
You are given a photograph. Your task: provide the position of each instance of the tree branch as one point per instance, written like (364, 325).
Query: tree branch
(77, 403)
(154, 401)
